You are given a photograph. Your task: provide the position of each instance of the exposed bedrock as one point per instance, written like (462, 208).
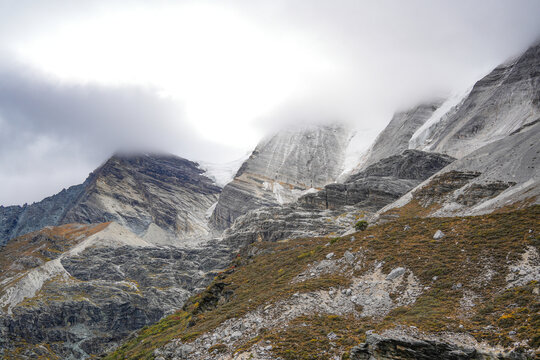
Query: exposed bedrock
(90, 300)
(408, 348)
(379, 184)
(505, 100)
(161, 196)
(281, 168)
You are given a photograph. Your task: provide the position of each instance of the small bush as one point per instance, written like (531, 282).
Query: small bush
(361, 225)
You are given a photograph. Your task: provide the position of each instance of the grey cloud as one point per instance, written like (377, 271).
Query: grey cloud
(393, 54)
(53, 134)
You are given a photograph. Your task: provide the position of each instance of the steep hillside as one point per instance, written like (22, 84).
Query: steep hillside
(281, 168)
(160, 197)
(505, 100)
(380, 183)
(76, 290)
(471, 293)
(332, 210)
(19, 220)
(500, 174)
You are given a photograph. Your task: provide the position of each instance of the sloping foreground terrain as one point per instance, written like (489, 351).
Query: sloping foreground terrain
(447, 288)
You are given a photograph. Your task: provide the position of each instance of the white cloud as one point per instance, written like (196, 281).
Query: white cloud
(206, 79)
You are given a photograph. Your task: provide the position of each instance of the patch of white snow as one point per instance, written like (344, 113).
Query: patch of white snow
(421, 140)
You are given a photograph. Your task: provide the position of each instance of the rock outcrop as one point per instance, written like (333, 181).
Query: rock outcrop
(395, 137)
(379, 184)
(409, 348)
(289, 222)
(499, 174)
(20, 220)
(80, 289)
(163, 198)
(281, 168)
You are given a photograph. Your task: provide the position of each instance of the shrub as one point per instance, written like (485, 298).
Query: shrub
(361, 225)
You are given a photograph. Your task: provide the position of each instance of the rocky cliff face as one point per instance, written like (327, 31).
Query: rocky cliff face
(162, 198)
(505, 100)
(335, 209)
(394, 139)
(76, 290)
(290, 222)
(281, 168)
(503, 173)
(399, 345)
(379, 184)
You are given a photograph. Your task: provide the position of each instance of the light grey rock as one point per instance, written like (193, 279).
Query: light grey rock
(349, 256)
(438, 235)
(236, 335)
(330, 255)
(457, 286)
(395, 273)
(395, 137)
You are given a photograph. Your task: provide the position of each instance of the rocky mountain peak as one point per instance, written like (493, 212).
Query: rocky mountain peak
(281, 168)
(503, 101)
(162, 197)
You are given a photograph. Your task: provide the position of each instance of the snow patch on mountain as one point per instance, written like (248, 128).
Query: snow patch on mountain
(356, 153)
(222, 173)
(422, 138)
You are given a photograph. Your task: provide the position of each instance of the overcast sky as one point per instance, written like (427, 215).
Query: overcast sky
(206, 80)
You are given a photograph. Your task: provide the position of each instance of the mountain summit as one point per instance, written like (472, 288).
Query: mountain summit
(162, 198)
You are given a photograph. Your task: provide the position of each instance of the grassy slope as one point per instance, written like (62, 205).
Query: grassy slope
(471, 246)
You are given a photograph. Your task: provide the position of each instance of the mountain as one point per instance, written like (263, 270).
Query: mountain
(159, 263)
(281, 168)
(448, 268)
(503, 173)
(495, 132)
(502, 102)
(162, 198)
(332, 210)
(394, 139)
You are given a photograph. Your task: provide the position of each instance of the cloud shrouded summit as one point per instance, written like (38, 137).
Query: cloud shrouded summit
(206, 79)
